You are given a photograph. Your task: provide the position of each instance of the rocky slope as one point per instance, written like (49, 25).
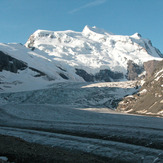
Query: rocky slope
(149, 99)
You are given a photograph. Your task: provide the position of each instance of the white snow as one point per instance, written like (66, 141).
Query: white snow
(142, 111)
(93, 49)
(159, 75)
(22, 81)
(125, 84)
(3, 158)
(37, 59)
(143, 91)
(25, 79)
(58, 53)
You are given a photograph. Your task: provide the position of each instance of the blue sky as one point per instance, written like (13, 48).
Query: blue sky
(20, 18)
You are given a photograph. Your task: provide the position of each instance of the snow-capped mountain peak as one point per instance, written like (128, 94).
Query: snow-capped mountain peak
(90, 55)
(136, 35)
(89, 30)
(94, 49)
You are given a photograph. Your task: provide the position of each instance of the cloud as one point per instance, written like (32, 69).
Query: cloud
(88, 5)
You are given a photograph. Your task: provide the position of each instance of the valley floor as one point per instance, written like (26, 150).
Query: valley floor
(102, 136)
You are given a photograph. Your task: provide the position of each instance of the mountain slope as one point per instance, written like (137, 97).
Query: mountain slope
(90, 55)
(22, 69)
(149, 99)
(93, 50)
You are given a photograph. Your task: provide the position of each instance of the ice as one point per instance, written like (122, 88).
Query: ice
(71, 113)
(107, 133)
(74, 116)
(91, 47)
(3, 158)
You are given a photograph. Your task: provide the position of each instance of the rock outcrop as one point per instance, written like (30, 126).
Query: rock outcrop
(150, 67)
(103, 75)
(11, 64)
(133, 70)
(149, 99)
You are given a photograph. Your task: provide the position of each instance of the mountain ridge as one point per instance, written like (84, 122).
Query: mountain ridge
(93, 55)
(93, 43)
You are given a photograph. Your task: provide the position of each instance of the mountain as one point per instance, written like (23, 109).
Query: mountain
(68, 56)
(22, 69)
(149, 99)
(95, 54)
(62, 94)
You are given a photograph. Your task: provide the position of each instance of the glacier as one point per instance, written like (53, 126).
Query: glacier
(48, 101)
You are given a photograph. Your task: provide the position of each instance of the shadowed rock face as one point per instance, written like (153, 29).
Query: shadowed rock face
(82, 73)
(133, 70)
(102, 75)
(63, 76)
(11, 64)
(107, 75)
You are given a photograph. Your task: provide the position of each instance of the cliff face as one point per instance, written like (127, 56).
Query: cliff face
(11, 64)
(149, 99)
(103, 75)
(151, 66)
(133, 70)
